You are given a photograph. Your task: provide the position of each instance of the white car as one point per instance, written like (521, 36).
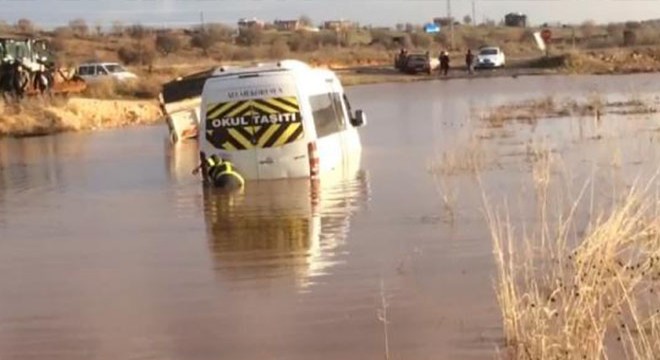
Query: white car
(490, 57)
(103, 71)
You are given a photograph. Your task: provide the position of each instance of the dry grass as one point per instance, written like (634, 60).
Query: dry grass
(450, 167)
(580, 292)
(613, 60)
(549, 107)
(145, 88)
(581, 280)
(468, 159)
(41, 116)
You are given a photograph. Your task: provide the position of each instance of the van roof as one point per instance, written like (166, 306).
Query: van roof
(283, 65)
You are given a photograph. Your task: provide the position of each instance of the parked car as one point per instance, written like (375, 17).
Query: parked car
(490, 57)
(105, 70)
(416, 63)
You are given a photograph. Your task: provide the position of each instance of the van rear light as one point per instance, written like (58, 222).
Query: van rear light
(313, 155)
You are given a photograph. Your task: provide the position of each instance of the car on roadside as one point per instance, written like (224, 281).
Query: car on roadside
(490, 57)
(417, 63)
(100, 71)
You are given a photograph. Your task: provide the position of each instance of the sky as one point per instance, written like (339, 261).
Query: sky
(51, 13)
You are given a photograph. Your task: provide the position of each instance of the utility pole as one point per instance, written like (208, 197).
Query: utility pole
(474, 14)
(451, 23)
(201, 19)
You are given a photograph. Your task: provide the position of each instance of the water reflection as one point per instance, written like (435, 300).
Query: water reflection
(288, 229)
(181, 157)
(37, 162)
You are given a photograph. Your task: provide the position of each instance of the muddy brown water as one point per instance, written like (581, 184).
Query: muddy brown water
(111, 249)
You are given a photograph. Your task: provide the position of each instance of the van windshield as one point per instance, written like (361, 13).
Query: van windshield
(328, 113)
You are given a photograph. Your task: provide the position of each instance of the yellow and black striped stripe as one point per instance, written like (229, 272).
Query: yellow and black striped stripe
(245, 124)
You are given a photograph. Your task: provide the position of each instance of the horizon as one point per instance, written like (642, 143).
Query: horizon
(49, 14)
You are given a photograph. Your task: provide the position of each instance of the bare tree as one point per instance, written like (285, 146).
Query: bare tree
(588, 29)
(203, 40)
(118, 28)
(25, 25)
(305, 21)
(167, 43)
(137, 54)
(250, 37)
(79, 27)
(138, 31)
(211, 34)
(98, 27)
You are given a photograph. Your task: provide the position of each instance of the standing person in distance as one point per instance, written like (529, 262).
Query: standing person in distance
(444, 63)
(469, 61)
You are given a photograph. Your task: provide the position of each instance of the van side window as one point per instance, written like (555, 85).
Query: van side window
(100, 70)
(328, 114)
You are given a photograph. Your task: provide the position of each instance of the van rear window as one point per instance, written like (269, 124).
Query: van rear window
(328, 114)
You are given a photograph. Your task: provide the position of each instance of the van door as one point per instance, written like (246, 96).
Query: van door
(350, 137)
(279, 133)
(330, 122)
(256, 121)
(279, 138)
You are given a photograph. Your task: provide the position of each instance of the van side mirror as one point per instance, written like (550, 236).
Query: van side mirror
(360, 119)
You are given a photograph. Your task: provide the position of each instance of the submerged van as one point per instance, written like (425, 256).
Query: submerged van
(280, 120)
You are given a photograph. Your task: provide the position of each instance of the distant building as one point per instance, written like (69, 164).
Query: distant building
(515, 20)
(250, 23)
(338, 25)
(287, 25)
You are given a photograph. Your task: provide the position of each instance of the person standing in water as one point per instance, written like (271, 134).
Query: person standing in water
(444, 63)
(469, 61)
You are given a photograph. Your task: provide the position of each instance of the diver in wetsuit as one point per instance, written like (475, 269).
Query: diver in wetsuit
(220, 173)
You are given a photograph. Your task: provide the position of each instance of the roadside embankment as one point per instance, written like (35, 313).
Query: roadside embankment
(593, 62)
(33, 117)
(110, 105)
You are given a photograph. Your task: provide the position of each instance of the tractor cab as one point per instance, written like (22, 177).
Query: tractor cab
(30, 53)
(27, 66)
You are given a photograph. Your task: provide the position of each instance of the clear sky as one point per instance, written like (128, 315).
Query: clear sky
(49, 13)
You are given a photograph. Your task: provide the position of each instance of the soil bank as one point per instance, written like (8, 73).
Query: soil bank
(34, 117)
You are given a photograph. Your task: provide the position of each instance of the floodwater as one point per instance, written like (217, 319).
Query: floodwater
(111, 249)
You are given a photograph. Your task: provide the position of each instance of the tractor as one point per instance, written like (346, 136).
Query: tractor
(27, 67)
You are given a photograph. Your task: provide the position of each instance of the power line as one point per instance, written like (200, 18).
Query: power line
(451, 23)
